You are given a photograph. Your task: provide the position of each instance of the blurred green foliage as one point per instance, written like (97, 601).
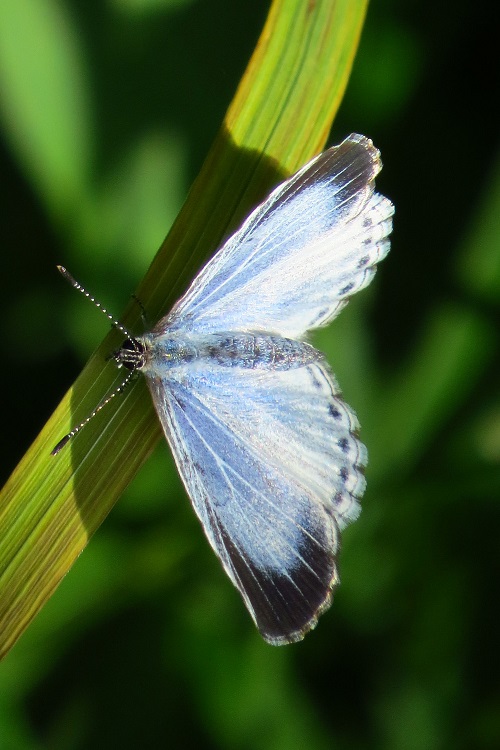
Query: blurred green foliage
(146, 644)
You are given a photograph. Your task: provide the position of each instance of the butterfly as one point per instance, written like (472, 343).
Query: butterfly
(266, 447)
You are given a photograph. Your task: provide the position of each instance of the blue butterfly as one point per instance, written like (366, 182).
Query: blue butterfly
(266, 447)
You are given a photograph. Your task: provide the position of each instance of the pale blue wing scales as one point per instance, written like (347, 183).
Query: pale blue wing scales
(299, 256)
(274, 469)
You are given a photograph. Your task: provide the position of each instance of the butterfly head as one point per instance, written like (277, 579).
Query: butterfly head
(132, 355)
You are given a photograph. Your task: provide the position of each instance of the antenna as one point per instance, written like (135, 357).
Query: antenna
(92, 414)
(74, 283)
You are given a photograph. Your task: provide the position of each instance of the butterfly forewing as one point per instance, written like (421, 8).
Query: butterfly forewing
(312, 244)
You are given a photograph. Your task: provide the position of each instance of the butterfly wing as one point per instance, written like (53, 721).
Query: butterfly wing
(300, 255)
(270, 457)
(274, 470)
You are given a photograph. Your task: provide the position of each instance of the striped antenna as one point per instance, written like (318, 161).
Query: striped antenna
(76, 285)
(116, 324)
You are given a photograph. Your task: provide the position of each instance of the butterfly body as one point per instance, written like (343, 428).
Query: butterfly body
(166, 353)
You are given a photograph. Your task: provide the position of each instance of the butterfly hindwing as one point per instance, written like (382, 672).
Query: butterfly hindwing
(273, 475)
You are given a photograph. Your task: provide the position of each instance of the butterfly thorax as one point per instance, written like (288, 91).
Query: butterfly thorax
(243, 350)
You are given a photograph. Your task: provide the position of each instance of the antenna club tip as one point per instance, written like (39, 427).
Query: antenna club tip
(60, 445)
(66, 275)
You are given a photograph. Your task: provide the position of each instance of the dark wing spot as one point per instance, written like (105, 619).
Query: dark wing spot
(338, 498)
(363, 261)
(315, 382)
(343, 444)
(344, 473)
(334, 412)
(348, 288)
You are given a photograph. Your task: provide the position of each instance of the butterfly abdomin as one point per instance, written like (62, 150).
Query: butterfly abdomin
(267, 449)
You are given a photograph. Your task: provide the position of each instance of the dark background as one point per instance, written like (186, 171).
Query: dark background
(146, 643)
